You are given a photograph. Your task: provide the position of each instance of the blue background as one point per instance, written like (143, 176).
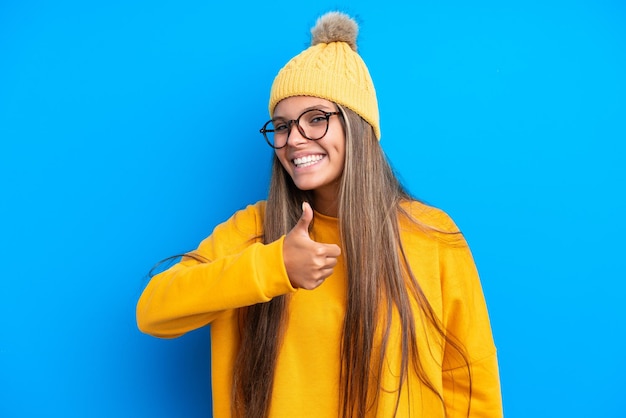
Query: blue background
(128, 131)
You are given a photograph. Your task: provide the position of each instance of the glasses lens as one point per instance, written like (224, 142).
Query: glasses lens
(314, 123)
(276, 138)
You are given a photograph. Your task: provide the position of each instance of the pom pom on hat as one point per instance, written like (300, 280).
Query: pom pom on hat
(330, 69)
(335, 27)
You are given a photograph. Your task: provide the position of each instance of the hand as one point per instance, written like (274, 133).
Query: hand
(308, 263)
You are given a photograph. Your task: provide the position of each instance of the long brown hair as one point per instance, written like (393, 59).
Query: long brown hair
(369, 210)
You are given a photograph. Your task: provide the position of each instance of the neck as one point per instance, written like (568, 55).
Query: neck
(326, 201)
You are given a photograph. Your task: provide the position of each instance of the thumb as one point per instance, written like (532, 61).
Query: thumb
(306, 218)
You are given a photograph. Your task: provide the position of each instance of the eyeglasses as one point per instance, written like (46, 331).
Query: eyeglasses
(312, 124)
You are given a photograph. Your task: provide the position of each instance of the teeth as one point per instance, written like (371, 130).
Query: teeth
(307, 161)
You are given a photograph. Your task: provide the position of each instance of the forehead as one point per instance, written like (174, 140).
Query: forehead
(292, 107)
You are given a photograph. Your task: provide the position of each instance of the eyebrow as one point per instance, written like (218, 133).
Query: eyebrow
(317, 106)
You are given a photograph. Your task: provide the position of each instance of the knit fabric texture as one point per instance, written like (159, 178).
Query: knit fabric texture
(331, 71)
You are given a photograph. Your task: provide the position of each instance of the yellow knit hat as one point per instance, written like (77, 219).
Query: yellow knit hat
(330, 69)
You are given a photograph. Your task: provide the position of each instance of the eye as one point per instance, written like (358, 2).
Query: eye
(280, 126)
(316, 117)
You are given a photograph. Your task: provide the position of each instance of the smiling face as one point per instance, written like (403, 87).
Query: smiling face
(313, 165)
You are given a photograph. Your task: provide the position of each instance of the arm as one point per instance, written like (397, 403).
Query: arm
(239, 272)
(465, 317)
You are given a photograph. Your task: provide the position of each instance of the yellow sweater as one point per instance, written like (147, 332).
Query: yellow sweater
(244, 271)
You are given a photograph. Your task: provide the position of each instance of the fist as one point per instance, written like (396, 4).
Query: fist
(308, 263)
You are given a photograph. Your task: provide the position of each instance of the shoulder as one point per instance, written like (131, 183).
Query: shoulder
(248, 220)
(254, 212)
(243, 228)
(433, 218)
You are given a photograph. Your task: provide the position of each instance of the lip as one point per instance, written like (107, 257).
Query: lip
(302, 161)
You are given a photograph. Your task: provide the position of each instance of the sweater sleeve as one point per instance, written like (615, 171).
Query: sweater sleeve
(466, 321)
(239, 271)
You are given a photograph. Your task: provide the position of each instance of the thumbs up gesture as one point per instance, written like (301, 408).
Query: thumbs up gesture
(308, 263)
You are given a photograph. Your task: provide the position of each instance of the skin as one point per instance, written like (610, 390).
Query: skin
(322, 177)
(309, 263)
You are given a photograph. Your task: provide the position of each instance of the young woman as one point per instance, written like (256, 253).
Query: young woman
(339, 296)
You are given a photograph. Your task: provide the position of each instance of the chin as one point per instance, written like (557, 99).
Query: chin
(305, 187)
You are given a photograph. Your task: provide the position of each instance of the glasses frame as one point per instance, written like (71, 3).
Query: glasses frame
(296, 122)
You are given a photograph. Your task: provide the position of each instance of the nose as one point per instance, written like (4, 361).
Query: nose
(295, 137)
